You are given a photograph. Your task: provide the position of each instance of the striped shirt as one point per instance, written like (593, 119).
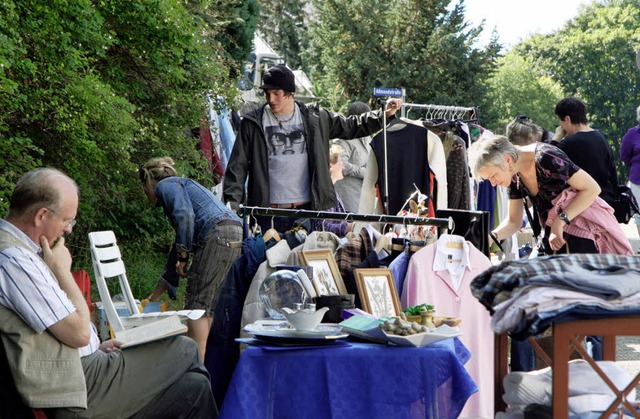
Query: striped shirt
(28, 287)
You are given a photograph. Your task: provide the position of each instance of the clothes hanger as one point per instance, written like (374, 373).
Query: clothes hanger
(382, 243)
(255, 230)
(397, 124)
(416, 239)
(407, 109)
(429, 114)
(450, 239)
(351, 234)
(400, 243)
(450, 242)
(272, 233)
(399, 247)
(415, 245)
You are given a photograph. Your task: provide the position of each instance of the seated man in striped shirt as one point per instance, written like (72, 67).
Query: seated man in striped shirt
(52, 348)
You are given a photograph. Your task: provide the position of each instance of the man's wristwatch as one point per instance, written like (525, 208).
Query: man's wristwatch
(563, 217)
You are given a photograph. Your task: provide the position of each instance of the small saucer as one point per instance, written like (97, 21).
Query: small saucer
(324, 332)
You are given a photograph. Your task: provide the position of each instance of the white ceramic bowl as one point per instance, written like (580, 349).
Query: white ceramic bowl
(304, 319)
(425, 338)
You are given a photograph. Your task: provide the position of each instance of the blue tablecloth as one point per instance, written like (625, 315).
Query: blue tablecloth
(359, 380)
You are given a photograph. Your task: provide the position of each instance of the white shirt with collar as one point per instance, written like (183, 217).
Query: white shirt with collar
(452, 255)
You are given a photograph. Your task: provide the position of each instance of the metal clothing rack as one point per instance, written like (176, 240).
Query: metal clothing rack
(442, 111)
(443, 224)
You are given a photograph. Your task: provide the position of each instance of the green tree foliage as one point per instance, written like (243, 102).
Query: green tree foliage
(422, 46)
(97, 87)
(284, 24)
(57, 111)
(232, 23)
(516, 88)
(593, 57)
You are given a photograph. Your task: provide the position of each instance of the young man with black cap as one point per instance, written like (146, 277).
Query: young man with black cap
(283, 149)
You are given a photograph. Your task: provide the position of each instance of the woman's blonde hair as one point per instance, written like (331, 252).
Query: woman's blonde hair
(638, 114)
(157, 169)
(522, 129)
(334, 153)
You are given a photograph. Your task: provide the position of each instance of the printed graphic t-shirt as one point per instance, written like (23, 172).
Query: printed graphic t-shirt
(288, 158)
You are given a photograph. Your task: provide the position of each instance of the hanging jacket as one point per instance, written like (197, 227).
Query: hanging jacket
(596, 223)
(223, 351)
(408, 166)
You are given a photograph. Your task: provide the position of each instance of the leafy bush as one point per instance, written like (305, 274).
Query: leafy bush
(95, 88)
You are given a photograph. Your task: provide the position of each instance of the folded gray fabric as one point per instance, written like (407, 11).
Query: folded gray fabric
(608, 283)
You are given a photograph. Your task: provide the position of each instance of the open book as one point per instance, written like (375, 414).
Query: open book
(149, 332)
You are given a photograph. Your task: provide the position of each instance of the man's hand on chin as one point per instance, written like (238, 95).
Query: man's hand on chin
(57, 257)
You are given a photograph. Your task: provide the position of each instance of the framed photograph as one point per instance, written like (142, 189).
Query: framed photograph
(377, 291)
(326, 276)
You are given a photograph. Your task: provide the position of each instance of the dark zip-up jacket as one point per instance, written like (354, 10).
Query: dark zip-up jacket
(249, 156)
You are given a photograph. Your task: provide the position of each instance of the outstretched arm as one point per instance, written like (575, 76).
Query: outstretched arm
(512, 223)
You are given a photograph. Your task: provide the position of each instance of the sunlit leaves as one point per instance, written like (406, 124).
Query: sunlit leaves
(420, 45)
(593, 57)
(97, 87)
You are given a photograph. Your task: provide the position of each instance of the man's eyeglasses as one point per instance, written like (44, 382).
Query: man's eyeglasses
(70, 224)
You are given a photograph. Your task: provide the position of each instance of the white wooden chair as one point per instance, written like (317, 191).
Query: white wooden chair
(108, 265)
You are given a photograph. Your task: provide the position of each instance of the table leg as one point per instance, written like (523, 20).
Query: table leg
(609, 348)
(560, 371)
(501, 360)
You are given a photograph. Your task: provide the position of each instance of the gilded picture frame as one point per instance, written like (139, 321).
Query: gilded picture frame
(326, 275)
(378, 293)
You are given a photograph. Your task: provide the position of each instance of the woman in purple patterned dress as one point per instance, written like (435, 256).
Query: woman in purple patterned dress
(540, 172)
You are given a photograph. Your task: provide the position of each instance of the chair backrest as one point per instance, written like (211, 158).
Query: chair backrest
(108, 265)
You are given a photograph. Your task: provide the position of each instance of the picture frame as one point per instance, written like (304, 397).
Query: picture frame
(378, 293)
(326, 275)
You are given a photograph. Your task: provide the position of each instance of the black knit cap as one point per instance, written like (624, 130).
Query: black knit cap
(278, 77)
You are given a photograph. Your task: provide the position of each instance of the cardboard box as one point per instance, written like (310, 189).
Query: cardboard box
(103, 323)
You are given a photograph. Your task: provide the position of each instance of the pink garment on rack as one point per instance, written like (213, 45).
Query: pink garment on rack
(596, 223)
(429, 281)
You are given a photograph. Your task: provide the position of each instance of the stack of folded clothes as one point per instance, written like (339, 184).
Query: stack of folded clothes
(588, 393)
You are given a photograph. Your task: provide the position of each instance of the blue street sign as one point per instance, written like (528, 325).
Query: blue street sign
(388, 91)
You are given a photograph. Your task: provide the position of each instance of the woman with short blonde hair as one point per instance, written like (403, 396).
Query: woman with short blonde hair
(559, 191)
